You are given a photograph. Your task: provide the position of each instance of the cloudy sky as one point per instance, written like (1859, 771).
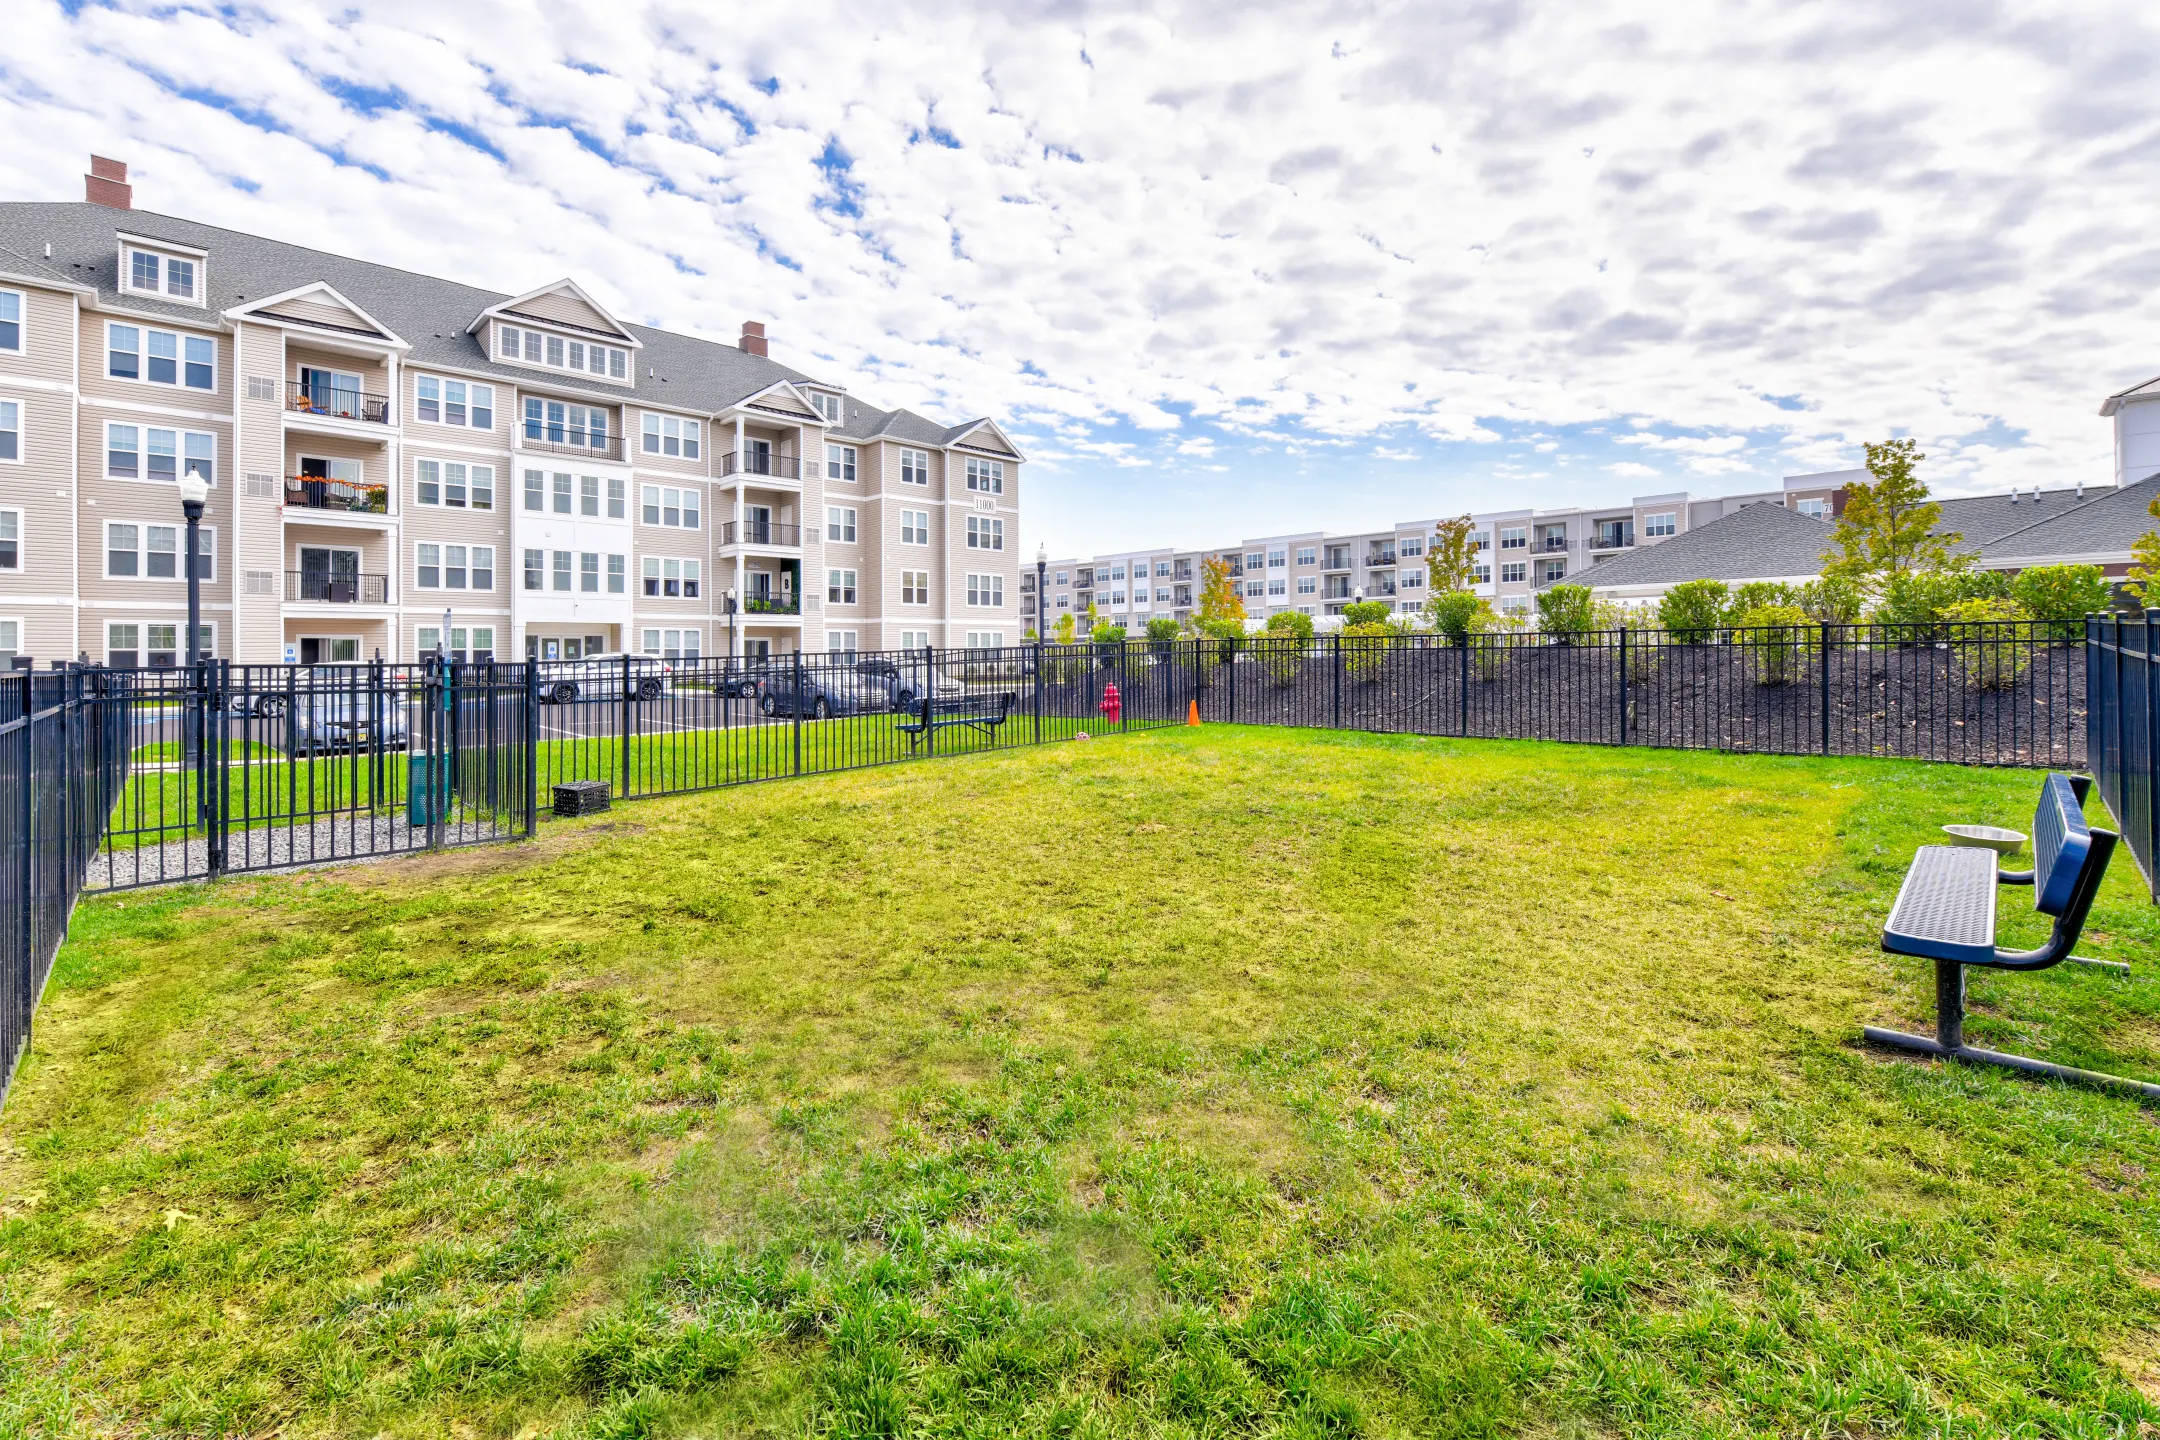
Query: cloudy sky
(1228, 270)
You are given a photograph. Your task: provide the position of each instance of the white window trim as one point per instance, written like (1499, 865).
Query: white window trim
(22, 539)
(142, 367)
(142, 647)
(165, 251)
(22, 325)
(142, 551)
(468, 588)
(493, 387)
(21, 424)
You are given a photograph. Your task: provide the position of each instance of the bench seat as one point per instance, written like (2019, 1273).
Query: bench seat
(1945, 910)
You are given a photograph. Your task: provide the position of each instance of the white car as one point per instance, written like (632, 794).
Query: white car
(604, 677)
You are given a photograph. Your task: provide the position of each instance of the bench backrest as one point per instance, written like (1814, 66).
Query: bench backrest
(2062, 842)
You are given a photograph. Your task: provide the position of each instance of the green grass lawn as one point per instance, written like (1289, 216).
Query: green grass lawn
(1198, 1083)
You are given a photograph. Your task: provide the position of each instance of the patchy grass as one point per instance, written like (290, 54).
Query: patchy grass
(1196, 1083)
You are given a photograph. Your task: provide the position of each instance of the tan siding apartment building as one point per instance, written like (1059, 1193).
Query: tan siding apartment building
(399, 462)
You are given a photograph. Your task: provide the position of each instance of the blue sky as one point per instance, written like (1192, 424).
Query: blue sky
(1226, 271)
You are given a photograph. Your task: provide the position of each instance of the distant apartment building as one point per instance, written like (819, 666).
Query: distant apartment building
(1317, 574)
(399, 463)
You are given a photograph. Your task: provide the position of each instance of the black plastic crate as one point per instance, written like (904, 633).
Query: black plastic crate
(581, 797)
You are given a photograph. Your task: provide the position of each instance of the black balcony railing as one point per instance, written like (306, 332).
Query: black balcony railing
(754, 532)
(337, 404)
(315, 492)
(1553, 543)
(1380, 557)
(330, 588)
(545, 439)
(782, 604)
(759, 462)
(1613, 540)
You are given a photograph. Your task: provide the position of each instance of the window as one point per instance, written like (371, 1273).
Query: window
(1255, 560)
(1410, 546)
(1655, 525)
(535, 490)
(454, 402)
(988, 476)
(1255, 588)
(1276, 559)
(10, 430)
(840, 642)
(666, 435)
(618, 498)
(675, 579)
(1117, 572)
(1514, 572)
(1551, 570)
(985, 639)
(10, 539)
(840, 463)
(580, 426)
(553, 351)
(477, 644)
(827, 406)
(160, 357)
(1277, 586)
(915, 528)
(914, 467)
(460, 567)
(914, 639)
(560, 570)
(10, 643)
(535, 568)
(454, 485)
(559, 488)
(671, 644)
(987, 534)
(11, 320)
(588, 577)
(840, 523)
(125, 648)
(668, 506)
(1815, 509)
(1482, 575)
(617, 574)
(1517, 539)
(986, 590)
(1308, 584)
(914, 587)
(1307, 555)
(1482, 540)
(840, 587)
(152, 552)
(152, 274)
(1411, 579)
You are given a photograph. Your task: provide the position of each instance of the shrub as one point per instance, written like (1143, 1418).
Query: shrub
(1282, 651)
(1366, 612)
(1459, 614)
(1692, 611)
(1756, 595)
(1833, 599)
(1919, 599)
(1364, 648)
(1777, 640)
(1992, 639)
(1564, 611)
(2059, 597)
(1162, 633)
(1107, 634)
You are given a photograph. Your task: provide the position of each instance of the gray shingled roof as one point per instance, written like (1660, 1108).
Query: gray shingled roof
(1755, 542)
(1982, 518)
(428, 313)
(2103, 527)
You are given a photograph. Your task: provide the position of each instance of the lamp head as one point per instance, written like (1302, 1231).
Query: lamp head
(194, 492)
(1042, 554)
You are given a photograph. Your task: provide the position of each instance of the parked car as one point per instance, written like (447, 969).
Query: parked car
(604, 677)
(903, 681)
(738, 679)
(337, 720)
(825, 691)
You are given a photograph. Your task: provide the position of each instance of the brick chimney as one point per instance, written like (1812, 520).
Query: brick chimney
(106, 184)
(753, 337)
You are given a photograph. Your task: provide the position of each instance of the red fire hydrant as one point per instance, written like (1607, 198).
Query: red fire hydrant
(1110, 702)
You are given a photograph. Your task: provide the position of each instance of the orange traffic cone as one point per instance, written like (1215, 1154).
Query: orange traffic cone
(1192, 712)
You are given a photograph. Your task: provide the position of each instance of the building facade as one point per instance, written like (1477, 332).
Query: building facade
(399, 462)
(1316, 573)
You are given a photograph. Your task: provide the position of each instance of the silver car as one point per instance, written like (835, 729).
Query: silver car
(605, 677)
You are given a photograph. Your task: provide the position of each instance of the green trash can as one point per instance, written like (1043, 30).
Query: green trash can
(426, 803)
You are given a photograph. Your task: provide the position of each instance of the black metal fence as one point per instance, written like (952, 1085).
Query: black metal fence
(2123, 659)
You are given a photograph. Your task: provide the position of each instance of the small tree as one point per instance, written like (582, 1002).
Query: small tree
(1162, 631)
(2059, 597)
(1451, 562)
(1281, 652)
(1992, 638)
(1459, 614)
(1888, 525)
(1220, 604)
(2144, 578)
(1564, 611)
(1108, 635)
(1776, 639)
(1692, 610)
(1064, 632)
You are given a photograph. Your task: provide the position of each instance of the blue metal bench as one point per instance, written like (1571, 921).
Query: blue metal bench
(981, 710)
(1945, 912)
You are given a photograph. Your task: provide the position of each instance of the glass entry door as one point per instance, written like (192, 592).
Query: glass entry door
(327, 574)
(327, 392)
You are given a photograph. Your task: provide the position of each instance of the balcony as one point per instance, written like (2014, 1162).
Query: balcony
(351, 497)
(1553, 544)
(323, 587)
(336, 404)
(782, 604)
(1614, 539)
(1336, 559)
(545, 439)
(1380, 557)
(765, 533)
(780, 467)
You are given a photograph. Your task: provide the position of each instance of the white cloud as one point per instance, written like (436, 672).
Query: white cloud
(1308, 227)
(1383, 452)
(1632, 470)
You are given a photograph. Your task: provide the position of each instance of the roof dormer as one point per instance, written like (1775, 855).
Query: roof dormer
(560, 328)
(176, 274)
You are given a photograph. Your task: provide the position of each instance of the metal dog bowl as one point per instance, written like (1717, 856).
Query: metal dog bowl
(1985, 837)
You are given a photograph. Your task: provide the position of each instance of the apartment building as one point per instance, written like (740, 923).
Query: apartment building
(399, 463)
(1315, 573)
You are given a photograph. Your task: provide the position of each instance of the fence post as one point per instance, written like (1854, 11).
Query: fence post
(532, 749)
(216, 729)
(929, 701)
(437, 694)
(2152, 749)
(796, 722)
(1336, 721)
(26, 874)
(1823, 685)
(1462, 688)
(1038, 668)
(624, 726)
(1623, 685)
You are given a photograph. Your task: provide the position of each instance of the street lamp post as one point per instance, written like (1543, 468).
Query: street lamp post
(732, 648)
(1042, 595)
(194, 494)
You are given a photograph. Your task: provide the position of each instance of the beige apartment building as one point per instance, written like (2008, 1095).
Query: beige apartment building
(1317, 573)
(399, 462)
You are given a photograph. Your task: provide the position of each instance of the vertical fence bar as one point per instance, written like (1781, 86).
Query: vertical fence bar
(26, 877)
(797, 707)
(2151, 679)
(1335, 672)
(531, 728)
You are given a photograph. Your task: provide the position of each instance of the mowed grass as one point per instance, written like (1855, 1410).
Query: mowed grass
(1199, 1083)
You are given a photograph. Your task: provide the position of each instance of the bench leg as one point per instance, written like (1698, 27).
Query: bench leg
(1949, 1042)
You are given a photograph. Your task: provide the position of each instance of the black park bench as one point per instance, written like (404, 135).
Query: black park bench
(982, 711)
(1945, 912)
